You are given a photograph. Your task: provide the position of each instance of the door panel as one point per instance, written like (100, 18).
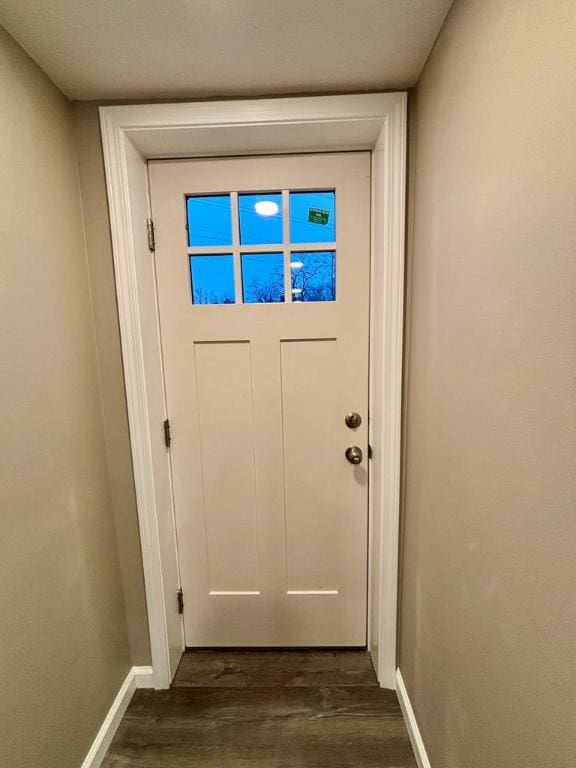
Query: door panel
(309, 400)
(225, 432)
(264, 325)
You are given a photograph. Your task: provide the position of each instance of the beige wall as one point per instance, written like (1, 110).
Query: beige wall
(63, 639)
(488, 619)
(101, 268)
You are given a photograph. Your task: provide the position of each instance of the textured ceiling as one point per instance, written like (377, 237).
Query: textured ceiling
(122, 49)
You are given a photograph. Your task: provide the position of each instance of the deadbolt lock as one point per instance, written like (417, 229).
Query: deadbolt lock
(353, 420)
(354, 454)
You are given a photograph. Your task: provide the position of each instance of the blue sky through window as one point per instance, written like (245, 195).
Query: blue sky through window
(258, 229)
(312, 205)
(212, 279)
(263, 277)
(312, 220)
(313, 276)
(209, 220)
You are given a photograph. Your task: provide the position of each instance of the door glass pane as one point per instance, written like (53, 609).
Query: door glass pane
(313, 276)
(312, 217)
(260, 219)
(212, 279)
(263, 278)
(209, 220)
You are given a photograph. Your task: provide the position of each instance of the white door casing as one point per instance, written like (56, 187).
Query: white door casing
(272, 519)
(133, 134)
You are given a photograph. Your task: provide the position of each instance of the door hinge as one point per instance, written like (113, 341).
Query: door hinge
(167, 435)
(150, 231)
(180, 598)
(370, 452)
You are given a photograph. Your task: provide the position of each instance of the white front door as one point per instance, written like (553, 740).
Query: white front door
(263, 268)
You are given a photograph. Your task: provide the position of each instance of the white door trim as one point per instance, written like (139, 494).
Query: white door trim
(132, 135)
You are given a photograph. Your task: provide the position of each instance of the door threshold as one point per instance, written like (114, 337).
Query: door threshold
(277, 648)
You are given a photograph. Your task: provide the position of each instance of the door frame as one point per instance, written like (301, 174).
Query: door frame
(134, 134)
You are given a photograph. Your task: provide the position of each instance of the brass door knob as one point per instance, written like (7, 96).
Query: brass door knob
(353, 420)
(354, 454)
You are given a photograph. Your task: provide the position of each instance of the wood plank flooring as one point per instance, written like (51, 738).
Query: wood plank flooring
(276, 669)
(265, 709)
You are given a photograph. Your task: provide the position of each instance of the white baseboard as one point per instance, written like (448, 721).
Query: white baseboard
(411, 724)
(137, 677)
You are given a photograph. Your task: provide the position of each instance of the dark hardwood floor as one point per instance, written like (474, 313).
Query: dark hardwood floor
(265, 709)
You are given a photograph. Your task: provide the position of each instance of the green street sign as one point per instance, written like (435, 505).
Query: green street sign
(318, 216)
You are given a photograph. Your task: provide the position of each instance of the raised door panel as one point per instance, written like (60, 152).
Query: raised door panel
(310, 399)
(226, 437)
